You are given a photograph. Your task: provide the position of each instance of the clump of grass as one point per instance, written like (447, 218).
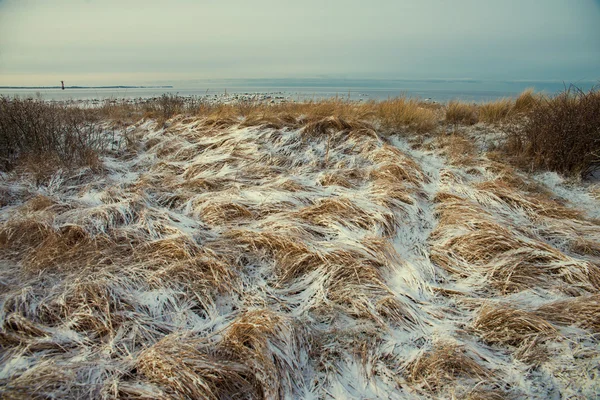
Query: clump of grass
(402, 114)
(247, 360)
(506, 325)
(581, 311)
(459, 149)
(186, 368)
(560, 134)
(535, 205)
(445, 362)
(526, 101)
(495, 111)
(461, 113)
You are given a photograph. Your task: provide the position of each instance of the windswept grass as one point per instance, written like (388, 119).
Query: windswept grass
(274, 251)
(442, 364)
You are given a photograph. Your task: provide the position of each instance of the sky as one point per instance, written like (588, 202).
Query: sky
(87, 42)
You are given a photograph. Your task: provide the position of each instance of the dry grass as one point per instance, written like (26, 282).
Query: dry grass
(461, 113)
(501, 324)
(443, 364)
(526, 101)
(536, 204)
(293, 250)
(581, 311)
(495, 111)
(394, 115)
(458, 149)
(500, 111)
(468, 241)
(401, 114)
(242, 363)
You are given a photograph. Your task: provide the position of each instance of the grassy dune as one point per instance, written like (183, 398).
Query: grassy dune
(317, 250)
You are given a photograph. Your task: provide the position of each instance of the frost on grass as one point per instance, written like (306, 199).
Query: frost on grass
(221, 259)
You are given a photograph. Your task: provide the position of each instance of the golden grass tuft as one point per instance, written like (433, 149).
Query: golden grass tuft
(496, 111)
(38, 203)
(224, 213)
(22, 234)
(501, 324)
(581, 311)
(330, 125)
(479, 393)
(526, 101)
(458, 149)
(70, 248)
(244, 362)
(341, 210)
(339, 178)
(185, 369)
(461, 113)
(401, 114)
(89, 305)
(47, 379)
(442, 364)
(355, 283)
(178, 260)
(534, 204)
(293, 257)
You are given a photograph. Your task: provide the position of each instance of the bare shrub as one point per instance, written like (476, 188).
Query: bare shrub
(56, 134)
(561, 134)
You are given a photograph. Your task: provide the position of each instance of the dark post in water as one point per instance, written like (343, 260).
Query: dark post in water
(63, 84)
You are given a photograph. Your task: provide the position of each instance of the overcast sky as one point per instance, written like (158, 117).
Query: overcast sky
(140, 41)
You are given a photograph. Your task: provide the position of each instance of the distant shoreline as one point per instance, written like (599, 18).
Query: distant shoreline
(86, 87)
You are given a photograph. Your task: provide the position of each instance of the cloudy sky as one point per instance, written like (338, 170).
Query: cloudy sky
(141, 41)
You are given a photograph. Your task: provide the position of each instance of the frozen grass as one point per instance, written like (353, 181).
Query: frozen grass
(295, 251)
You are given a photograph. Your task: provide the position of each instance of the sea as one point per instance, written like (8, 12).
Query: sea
(438, 90)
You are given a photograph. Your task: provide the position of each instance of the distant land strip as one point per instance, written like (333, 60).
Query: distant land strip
(86, 87)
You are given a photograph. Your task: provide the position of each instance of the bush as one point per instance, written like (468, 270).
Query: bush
(561, 133)
(55, 134)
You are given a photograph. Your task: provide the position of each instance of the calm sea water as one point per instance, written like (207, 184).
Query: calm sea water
(305, 89)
